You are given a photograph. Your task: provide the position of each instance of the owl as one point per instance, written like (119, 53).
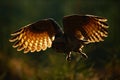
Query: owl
(78, 30)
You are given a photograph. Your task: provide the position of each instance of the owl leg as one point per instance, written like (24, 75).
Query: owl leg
(82, 53)
(68, 57)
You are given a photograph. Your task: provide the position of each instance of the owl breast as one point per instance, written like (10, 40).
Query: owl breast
(66, 44)
(59, 44)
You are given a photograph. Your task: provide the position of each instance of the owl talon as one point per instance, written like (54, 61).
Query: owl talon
(68, 57)
(84, 55)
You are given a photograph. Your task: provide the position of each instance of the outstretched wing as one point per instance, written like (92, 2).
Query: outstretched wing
(89, 28)
(36, 36)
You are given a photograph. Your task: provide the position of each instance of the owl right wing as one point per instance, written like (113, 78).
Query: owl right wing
(36, 36)
(88, 28)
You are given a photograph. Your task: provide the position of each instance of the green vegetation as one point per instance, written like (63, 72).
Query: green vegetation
(104, 58)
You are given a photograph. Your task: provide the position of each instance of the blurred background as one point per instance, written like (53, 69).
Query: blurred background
(104, 57)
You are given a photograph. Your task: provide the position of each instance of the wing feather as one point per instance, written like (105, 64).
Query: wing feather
(36, 36)
(88, 27)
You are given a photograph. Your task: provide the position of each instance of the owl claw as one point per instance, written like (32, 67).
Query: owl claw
(68, 57)
(83, 54)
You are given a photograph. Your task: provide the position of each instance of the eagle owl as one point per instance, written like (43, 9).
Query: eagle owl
(46, 33)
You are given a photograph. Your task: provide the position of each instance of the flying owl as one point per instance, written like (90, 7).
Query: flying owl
(78, 31)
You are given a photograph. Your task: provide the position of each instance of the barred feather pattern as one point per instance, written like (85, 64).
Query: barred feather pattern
(88, 28)
(78, 31)
(29, 41)
(96, 29)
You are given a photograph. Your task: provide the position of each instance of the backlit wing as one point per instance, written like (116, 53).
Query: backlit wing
(89, 28)
(36, 36)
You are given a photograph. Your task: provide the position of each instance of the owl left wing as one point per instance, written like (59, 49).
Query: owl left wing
(36, 36)
(88, 27)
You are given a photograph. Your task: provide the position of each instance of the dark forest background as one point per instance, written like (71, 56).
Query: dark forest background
(104, 57)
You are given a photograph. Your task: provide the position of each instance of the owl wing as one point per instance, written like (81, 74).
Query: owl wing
(36, 36)
(89, 28)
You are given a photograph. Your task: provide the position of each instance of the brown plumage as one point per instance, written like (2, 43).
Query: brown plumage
(78, 31)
